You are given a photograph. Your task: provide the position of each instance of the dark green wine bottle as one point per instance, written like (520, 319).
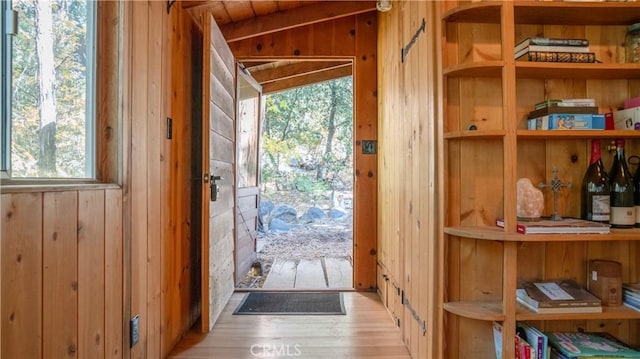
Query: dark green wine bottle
(621, 186)
(596, 194)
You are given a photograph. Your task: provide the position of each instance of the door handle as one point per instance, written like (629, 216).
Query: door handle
(214, 187)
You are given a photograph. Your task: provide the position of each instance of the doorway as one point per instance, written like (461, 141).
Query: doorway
(305, 230)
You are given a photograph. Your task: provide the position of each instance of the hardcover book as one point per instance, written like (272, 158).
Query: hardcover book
(570, 102)
(554, 108)
(579, 345)
(551, 56)
(539, 48)
(565, 226)
(550, 41)
(562, 296)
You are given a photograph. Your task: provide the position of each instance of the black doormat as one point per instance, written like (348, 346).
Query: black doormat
(292, 303)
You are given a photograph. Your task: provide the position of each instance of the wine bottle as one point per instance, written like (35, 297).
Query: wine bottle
(595, 189)
(621, 187)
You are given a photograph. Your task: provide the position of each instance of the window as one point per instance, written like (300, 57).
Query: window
(48, 118)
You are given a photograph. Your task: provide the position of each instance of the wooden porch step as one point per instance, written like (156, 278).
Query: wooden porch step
(316, 273)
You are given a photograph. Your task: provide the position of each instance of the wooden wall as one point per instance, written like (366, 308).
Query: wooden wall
(407, 224)
(62, 273)
(354, 38)
(158, 181)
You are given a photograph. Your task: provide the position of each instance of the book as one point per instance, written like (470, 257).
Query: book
(561, 296)
(632, 287)
(550, 41)
(497, 339)
(571, 102)
(541, 48)
(536, 338)
(564, 226)
(554, 108)
(551, 56)
(523, 349)
(563, 121)
(582, 345)
(631, 302)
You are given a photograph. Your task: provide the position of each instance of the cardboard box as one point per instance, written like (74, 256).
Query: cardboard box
(605, 281)
(628, 119)
(572, 121)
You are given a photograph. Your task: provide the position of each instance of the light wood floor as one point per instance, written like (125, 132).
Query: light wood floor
(367, 331)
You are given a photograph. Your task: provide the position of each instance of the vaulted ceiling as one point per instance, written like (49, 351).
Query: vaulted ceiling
(240, 20)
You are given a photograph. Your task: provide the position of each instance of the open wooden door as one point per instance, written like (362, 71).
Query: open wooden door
(248, 122)
(218, 167)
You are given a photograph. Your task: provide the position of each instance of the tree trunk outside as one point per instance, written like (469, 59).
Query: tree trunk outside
(331, 130)
(46, 81)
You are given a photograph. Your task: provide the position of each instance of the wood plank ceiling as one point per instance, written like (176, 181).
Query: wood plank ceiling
(242, 20)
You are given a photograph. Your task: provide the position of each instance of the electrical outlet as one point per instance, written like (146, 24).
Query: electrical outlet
(134, 330)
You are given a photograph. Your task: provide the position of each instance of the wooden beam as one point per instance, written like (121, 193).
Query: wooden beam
(293, 18)
(296, 69)
(308, 79)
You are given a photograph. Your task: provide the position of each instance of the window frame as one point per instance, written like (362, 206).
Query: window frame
(91, 114)
(5, 118)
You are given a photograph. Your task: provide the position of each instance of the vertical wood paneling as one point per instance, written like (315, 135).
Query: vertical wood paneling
(156, 128)
(60, 274)
(138, 176)
(91, 271)
(21, 306)
(179, 305)
(56, 276)
(113, 274)
(407, 171)
(366, 166)
(169, 264)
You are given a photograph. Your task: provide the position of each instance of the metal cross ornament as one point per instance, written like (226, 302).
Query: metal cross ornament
(555, 186)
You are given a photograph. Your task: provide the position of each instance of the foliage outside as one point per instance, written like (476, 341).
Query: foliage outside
(307, 145)
(49, 87)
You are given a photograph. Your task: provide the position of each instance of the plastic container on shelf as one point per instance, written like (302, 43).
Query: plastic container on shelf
(632, 43)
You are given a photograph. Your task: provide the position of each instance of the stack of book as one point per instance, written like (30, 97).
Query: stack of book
(545, 49)
(562, 296)
(566, 114)
(631, 295)
(585, 345)
(524, 348)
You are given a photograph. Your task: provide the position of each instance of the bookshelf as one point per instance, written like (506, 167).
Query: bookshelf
(484, 88)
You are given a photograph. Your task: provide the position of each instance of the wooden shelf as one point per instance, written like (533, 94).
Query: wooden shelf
(487, 12)
(476, 69)
(498, 234)
(563, 70)
(547, 70)
(548, 13)
(492, 310)
(621, 312)
(480, 310)
(577, 134)
(576, 13)
(478, 134)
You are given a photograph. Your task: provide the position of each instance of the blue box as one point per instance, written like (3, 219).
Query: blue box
(559, 121)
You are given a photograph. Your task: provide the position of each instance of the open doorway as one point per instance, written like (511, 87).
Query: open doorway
(305, 232)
